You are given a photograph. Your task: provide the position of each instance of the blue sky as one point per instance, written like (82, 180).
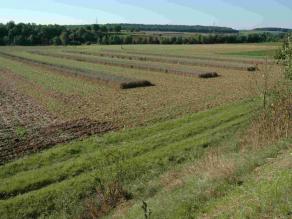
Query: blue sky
(240, 14)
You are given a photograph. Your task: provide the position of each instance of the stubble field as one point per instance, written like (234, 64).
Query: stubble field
(47, 88)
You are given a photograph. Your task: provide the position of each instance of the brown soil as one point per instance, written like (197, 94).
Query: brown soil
(34, 140)
(17, 109)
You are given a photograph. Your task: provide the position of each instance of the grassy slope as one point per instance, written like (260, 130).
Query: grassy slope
(229, 185)
(40, 183)
(184, 168)
(265, 194)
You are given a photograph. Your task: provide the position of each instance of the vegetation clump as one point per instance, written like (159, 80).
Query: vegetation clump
(252, 68)
(284, 56)
(275, 119)
(106, 198)
(135, 84)
(209, 75)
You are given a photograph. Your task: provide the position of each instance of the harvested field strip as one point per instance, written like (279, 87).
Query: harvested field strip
(116, 153)
(170, 60)
(77, 97)
(125, 64)
(183, 57)
(122, 82)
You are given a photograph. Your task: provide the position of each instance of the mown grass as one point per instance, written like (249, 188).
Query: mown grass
(36, 185)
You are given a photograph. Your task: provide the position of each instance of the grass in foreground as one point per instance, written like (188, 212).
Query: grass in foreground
(183, 168)
(266, 193)
(224, 185)
(58, 179)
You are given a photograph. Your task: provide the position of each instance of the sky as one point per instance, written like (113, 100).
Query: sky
(239, 14)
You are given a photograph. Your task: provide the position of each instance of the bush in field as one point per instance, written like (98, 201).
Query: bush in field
(274, 121)
(209, 75)
(105, 199)
(252, 68)
(284, 56)
(134, 84)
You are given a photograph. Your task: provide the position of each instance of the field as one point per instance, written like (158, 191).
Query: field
(139, 121)
(79, 90)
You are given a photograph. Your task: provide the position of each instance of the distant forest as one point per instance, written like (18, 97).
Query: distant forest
(274, 29)
(33, 34)
(177, 28)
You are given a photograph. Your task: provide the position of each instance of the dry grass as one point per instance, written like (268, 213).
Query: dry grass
(105, 199)
(274, 119)
(272, 124)
(214, 165)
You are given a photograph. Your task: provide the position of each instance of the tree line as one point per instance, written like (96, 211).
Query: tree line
(175, 28)
(32, 34)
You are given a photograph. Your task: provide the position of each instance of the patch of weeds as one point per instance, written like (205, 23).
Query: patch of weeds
(106, 197)
(21, 132)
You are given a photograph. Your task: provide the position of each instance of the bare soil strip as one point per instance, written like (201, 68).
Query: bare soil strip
(37, 139)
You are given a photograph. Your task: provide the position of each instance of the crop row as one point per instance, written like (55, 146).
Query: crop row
(122, 82)
(156, 67)
(191, 61)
